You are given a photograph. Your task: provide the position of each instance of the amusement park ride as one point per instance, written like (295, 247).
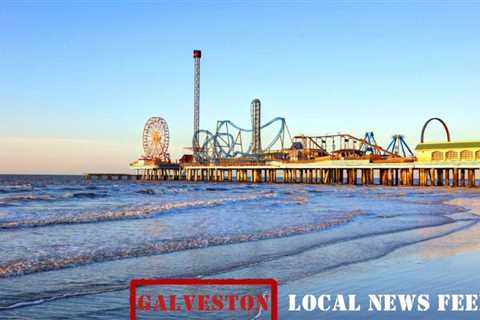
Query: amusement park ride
(155, 138)
(265, 152)
(231, 143)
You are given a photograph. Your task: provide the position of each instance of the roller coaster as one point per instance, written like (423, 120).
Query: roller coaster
(230, 141)
(344, 146)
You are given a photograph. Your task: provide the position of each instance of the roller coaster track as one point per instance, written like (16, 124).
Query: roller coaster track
(227, 141)
(322, 143)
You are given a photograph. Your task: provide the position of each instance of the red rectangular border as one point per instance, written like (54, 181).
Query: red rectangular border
(134, 283)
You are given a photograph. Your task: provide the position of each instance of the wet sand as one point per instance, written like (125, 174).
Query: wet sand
(445, 265)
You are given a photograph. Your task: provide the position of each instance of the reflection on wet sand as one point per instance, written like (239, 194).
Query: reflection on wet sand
(467, 240)
(472, 204)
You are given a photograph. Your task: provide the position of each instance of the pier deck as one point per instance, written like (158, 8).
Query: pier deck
(354, 172)
(452, 174)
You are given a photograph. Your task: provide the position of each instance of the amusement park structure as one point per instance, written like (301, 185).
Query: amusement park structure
(155, 141)
(399, 147)
(197, 54)
(156, 138)
(269, 153)
(231, 142)
(342, 146)
(255, 111)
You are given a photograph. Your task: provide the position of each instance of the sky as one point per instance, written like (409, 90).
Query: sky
(78, 80)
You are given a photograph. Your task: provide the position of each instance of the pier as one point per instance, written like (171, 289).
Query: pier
(231, 153)
(112, 176)
(319, 160)
(331, 173)
(408, 174)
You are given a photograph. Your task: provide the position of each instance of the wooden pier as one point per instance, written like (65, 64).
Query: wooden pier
(160, 172)
(112, 176)
(356, 172)
(401, 174)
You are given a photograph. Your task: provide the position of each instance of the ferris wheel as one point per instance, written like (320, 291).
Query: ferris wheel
(156, 138)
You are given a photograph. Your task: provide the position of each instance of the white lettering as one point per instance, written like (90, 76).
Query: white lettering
(340, 304)
(292, 303)
(457, 302)
(324, 298)
(309, 302)
(406, 301)
(443, 301)
(390, 302)
(423, 302)
(352, 303)
(471, 302)
(375, 302)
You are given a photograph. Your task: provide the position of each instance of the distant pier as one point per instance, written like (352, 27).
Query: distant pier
(144, 172)
(112, 176)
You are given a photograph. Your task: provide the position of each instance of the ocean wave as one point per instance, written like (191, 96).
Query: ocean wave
(146, 191)
(48, 263)
(67, 188)
(128, 212)
(28, 198)
(57, 295)
(216, 189)
(15, 188)
(10, 200)
(85, 194)
(347, 249)
(5, 204)
(170, 190)
(351, 251)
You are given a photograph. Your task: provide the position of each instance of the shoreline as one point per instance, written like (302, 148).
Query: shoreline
(471, 204)
(442, 265)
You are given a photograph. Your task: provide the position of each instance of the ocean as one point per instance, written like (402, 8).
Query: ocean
(69, 247)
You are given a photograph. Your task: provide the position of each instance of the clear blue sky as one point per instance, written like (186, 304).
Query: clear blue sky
(78, 81)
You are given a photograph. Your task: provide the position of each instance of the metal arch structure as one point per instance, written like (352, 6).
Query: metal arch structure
(156, 138)
(228, 141)
(399, 147)
(439, 120)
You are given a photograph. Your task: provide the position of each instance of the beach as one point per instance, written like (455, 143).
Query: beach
(70, 247)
